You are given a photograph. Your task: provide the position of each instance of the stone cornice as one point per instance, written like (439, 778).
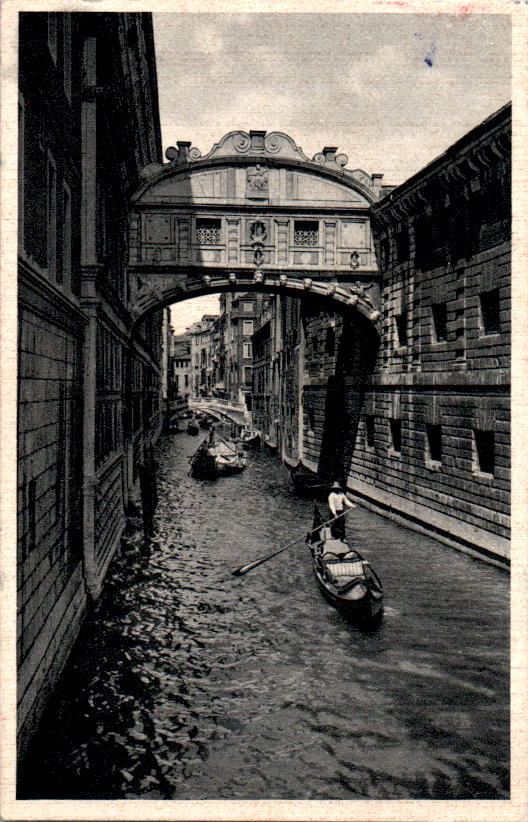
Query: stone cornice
(485, 147)
(47, 296)
(499, 379)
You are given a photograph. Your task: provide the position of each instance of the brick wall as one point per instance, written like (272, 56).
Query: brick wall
(434, 436)
(50, 587)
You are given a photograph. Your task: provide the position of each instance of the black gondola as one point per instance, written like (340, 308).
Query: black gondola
(192, 427)
(216, 459)
(250, 438)
(308, 483)
(344, 577)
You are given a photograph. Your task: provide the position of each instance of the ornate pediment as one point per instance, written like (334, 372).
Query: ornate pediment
(257, 148)
(253, 143)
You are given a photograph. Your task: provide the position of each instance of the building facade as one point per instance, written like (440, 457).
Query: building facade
(434, 439)
(180, 366)
(419, 427)
(89, 383)
(240, 316)
(202, 351)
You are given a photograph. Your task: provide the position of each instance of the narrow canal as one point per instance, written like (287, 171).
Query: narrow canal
(189, 683)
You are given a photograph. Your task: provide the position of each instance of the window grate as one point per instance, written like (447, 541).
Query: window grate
(396, 437)
(208, 232)
(484, 451)
(439, 313)
(306, 233)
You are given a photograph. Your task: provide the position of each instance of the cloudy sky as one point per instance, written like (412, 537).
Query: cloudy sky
(392, 91)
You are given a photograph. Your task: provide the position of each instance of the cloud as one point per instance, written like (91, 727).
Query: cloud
(360, 81)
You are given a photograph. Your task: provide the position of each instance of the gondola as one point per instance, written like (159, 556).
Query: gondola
(216, 459)
(192, 427)
(204, 422)
(344, 577)
(250, 438)
(306, 482)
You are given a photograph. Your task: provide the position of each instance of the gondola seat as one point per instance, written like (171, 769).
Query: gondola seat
(345, 568)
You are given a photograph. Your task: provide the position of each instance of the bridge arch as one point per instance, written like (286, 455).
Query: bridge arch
(254, 214)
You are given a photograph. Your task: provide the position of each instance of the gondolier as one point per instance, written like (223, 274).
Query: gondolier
(338, 502)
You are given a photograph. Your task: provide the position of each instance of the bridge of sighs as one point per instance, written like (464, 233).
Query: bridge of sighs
(254, 214)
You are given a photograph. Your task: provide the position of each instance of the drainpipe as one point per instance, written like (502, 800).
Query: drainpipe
(300, 389)
(89, 299)
(90, 303)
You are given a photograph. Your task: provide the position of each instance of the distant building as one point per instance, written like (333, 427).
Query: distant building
(202, 336)
(180, 366)
(240, 317)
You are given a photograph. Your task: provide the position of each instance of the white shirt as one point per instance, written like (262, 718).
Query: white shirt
(337, 501)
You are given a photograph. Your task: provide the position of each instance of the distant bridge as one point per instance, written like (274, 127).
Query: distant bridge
(221, 409)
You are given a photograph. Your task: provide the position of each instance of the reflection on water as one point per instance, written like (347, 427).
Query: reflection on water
(194, 684)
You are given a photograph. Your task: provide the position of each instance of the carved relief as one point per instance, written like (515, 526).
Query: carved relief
(146, 291)
(366, 290)
(257, 181)
(258, 232)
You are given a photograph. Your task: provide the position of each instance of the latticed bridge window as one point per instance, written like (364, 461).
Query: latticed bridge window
(208, 230)
(306, 232)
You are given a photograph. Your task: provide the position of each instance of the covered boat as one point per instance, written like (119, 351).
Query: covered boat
(192, 427)
(344, 577)
(216, 459)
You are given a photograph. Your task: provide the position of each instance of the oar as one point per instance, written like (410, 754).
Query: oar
(245, 568)
(191, 458)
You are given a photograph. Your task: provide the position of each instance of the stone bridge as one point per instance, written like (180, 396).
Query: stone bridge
(254, 214)
(221, 409)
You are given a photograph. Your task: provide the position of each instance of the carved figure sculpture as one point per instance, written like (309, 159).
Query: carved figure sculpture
(257, 179)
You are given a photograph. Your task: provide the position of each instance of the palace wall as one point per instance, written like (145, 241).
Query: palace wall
(80, 151)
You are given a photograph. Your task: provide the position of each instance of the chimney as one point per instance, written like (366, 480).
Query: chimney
(183, 150)
(330, 153)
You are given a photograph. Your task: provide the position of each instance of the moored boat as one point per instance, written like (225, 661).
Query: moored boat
(216, 459)
(192, 427)
(344, 577)
(306, 482)
(250, 438)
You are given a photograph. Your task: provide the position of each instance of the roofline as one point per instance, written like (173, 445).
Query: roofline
(494, 121)
(337, 176)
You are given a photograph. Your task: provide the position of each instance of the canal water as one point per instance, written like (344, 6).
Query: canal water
(190, 683)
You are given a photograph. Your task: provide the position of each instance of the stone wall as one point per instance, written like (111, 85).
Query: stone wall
(51, 595)
(434, 437)
(75, 460)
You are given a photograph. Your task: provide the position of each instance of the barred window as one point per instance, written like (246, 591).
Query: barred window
(401, 327)
(434, 442)
(396, 435)
(439, 314)
(369, 430)
(484, 452)
(208, 230)
(306, 232)
(490, 312)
